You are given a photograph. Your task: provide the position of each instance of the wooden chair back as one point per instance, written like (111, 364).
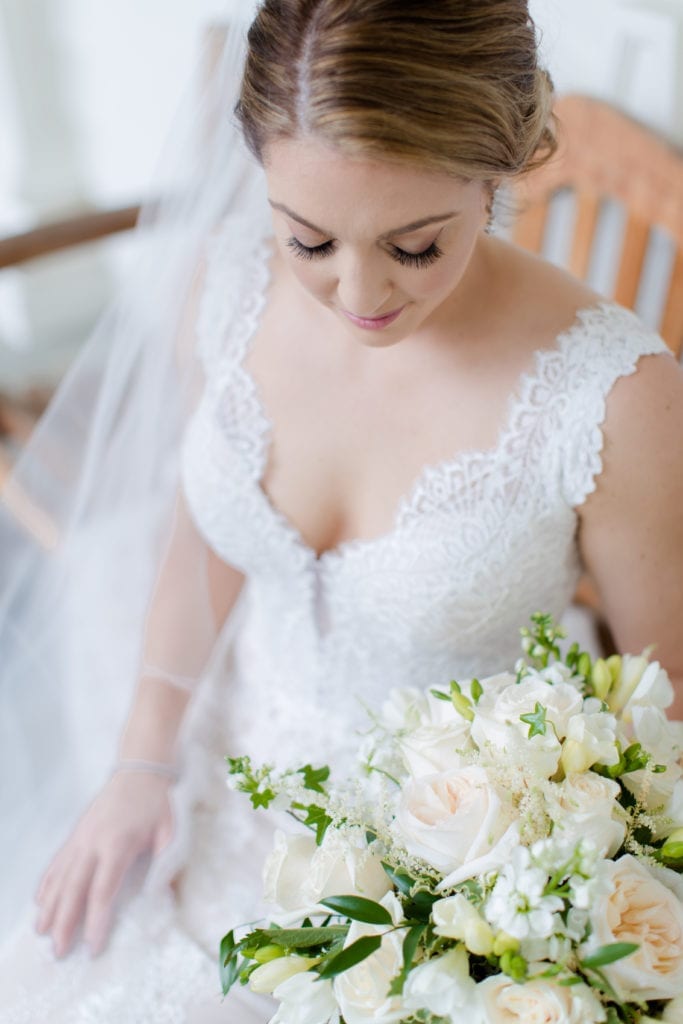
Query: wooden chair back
(605, 155)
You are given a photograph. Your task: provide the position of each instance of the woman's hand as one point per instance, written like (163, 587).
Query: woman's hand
(129, 817)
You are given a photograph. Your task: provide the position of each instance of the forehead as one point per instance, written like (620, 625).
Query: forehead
(364, 197)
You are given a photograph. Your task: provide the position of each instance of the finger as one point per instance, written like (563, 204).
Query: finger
(103, 891)
(163, 834)
(71, 904)
(49, 892)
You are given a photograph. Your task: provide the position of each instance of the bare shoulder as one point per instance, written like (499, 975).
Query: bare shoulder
(540, 296)
(643, 428)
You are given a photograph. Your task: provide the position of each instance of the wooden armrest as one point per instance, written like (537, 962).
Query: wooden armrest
(63, 234)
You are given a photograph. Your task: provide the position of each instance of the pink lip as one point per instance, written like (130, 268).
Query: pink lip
(375, 323)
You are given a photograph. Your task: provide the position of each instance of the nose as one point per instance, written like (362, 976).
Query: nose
(362, 286)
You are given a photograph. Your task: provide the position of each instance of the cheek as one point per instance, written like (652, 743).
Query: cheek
(311, 275)
(434, 282)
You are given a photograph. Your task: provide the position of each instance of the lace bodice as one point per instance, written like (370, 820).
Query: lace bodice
(480, 542)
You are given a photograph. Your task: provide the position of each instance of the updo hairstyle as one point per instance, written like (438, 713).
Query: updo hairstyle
(448, 85)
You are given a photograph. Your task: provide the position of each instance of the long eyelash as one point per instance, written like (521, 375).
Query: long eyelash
(417, 259)
(307, 252)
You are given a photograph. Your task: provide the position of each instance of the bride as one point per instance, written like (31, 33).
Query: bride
(395, 436)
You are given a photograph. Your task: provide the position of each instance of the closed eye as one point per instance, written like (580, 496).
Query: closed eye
(310, 252)
(425, 258)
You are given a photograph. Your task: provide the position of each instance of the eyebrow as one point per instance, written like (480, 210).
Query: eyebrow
(404, 230)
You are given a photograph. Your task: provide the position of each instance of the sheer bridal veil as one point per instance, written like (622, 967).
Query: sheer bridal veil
(89, 513)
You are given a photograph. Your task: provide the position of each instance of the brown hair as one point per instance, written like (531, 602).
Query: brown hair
(453, 85)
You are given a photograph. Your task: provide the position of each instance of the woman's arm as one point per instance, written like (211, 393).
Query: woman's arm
(131, 815)
(631, 527)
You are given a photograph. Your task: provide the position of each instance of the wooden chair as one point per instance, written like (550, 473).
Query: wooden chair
(606, 156)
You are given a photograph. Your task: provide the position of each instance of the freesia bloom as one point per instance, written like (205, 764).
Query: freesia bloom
(298, 873)
(639, 682)
(305, 1000)
(442, 986)
(268, 976)
(591, 739)
(362, 991)
(452, 818)
(456, 918)
(642, 910)
(538, 1001)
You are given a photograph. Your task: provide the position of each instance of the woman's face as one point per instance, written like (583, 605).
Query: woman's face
(383, 246)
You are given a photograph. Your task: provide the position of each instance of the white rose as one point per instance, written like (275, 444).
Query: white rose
(456, 918)
(433, 745)
(404, 709)
(442, 986)
(509, 743)
(452, 818)
(298, 874)
(584, 808)
(305, 1000)
(640, 909)
(361, 992)
(560, 701)
(537, 1001)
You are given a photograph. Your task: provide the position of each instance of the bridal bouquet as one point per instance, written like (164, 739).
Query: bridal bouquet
(511, 853)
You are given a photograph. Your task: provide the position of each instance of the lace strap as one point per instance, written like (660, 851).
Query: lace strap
(608, 346)
(235, 283)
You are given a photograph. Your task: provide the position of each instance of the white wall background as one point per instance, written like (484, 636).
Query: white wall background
(88, 88)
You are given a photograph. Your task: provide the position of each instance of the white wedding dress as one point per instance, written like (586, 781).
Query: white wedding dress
(480, 542)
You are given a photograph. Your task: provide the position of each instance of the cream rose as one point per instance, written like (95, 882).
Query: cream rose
(361, 992)
(538, 1001)
(452, 818)
(642, 910)
(585, 808)
(298, 873)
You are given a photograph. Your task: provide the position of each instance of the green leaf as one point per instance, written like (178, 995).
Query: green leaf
(316, 818)
(354, 954)
(440, 695)
(263, 798)
(476, 689)
(228, 962)
(403, 882)
(536, 721)
(410, 944)
(314, 777)
(298, 938)
(609, 954)
(358, 909)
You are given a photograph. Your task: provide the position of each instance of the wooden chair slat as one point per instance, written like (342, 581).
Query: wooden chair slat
(672, 319)
(529, 228)
(587, 214)
(634, 250)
